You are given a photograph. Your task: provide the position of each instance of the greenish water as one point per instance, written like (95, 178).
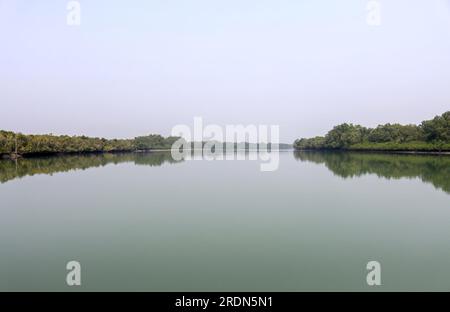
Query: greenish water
(146, 222)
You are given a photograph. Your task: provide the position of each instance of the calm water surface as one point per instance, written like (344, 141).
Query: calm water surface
(145, 222)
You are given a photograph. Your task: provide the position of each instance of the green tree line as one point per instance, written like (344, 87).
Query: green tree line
(11, 142)
(52, 144)
(430, 135)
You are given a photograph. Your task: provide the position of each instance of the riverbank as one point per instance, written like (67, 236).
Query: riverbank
(378, 151)
(159, 150)
(430, 136)
(390, 148)
(85, 153)
(48, 144)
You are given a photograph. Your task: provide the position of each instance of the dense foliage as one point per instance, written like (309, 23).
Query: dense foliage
(154, 141)
(429, 135)
(50, 144)
(45, 144)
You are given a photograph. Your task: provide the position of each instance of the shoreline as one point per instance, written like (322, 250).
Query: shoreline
(379, 151)
(57, 154)
(61, 154)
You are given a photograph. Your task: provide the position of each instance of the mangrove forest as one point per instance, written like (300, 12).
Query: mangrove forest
(12, 143)
(431, 135)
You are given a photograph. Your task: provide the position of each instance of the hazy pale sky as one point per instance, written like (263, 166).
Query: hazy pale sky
(138, 67)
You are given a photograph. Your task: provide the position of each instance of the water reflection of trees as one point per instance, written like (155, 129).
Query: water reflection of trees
(10, 169)
(429, 168)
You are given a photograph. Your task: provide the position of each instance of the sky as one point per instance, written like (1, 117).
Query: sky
(139, 67)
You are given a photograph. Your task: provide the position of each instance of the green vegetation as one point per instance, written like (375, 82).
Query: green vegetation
(430, 169)
(154, 141)
(430, 135)
(11, 142)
